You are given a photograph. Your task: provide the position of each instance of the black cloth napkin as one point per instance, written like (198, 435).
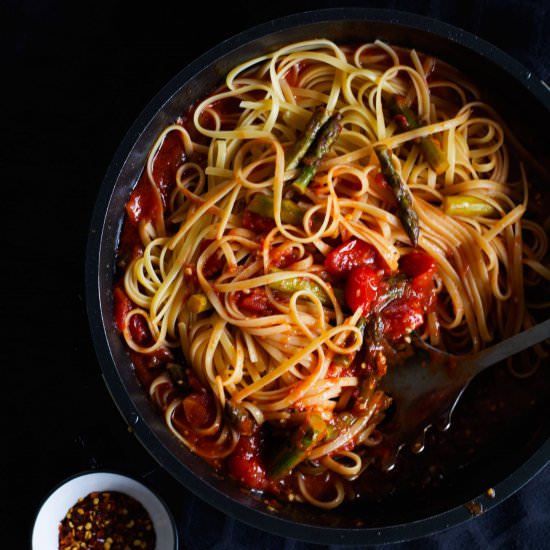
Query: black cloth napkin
(520, 522)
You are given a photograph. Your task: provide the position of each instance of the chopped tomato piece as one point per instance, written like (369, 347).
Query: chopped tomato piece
(199, 409)
(213, 265)
(402, 317)
(381, 181)
(362, 288)
(148, 199)
(292, 76)
(145, 203)
(256, 301)
(121, 305)
(138, 327)
(351, 254)
(417, 263)
(283, 257)
(245, 463)
(139, 330)
(150, 361)
(384, 189)
(408, 313)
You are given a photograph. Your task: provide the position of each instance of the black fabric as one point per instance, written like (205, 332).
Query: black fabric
(74, 77)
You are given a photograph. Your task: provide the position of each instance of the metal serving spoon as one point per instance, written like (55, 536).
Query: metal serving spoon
(427, 386)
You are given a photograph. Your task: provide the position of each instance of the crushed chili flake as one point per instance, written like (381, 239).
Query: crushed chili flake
(107, 520)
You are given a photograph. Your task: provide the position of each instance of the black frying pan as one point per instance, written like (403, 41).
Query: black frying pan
(501, 464)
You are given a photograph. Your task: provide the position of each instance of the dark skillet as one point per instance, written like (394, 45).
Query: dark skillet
(449, 483)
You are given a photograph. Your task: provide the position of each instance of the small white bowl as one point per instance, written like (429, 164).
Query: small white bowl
(45, 534)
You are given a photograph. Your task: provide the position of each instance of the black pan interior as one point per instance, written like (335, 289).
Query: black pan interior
(505, 462)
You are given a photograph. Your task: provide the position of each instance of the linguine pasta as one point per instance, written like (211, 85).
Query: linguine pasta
(261, 347)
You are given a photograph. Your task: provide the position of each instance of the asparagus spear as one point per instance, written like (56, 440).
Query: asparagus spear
(407, 214)
(374, 327)
(318, 149)
(318, 118)
(374, 333)
(294, 284)
(263, 205)
(324, 141)
(433, 153)
(371, 326)
(306, 175)
(401, 113)
(465, 205)
(296, 450)
(406, 120)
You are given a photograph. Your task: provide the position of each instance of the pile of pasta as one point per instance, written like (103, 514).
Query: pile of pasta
(247, 307)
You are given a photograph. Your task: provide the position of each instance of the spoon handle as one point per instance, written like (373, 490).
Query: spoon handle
(513, 345)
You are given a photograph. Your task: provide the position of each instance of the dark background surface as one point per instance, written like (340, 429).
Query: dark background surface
(76, 76)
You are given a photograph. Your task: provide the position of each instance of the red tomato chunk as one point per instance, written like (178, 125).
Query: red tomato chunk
(407, 313)
(353, 253)
(416, 263)
(256, 301)
(245, 464)
(199, 409)
(362, 288)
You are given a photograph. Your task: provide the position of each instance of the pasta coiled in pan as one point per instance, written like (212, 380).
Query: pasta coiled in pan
(269, 310)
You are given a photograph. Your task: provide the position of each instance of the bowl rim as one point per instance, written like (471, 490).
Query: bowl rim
(110, 475)
(201, 488)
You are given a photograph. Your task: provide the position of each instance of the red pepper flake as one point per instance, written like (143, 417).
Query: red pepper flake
(107, 520)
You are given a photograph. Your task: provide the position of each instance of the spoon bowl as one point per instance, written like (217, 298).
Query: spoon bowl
(427, 386)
